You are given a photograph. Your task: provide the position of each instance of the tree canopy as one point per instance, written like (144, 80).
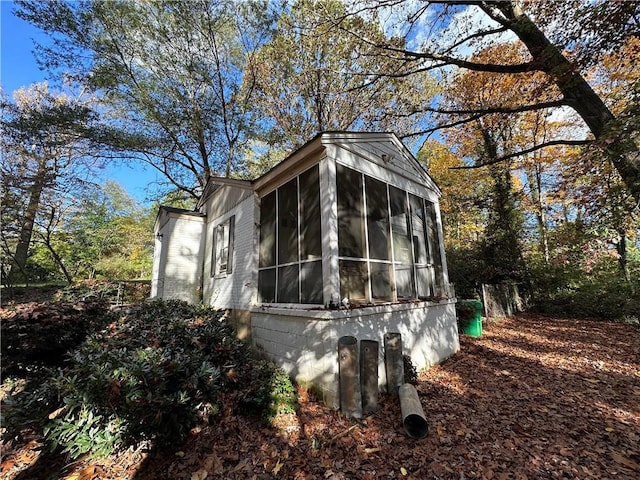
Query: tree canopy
(312, 77)
(561, 40)
(51, 145)
(175, 77)
(542, 94)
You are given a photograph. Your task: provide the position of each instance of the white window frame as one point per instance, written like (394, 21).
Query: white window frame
(223, 240)
(433, 261)
(300, 262)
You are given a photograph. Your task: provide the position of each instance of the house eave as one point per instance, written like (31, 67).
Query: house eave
(216, 182)
(311, 147)
(174, 212)
(344, 139)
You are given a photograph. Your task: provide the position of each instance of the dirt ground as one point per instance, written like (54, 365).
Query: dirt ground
(532, 398)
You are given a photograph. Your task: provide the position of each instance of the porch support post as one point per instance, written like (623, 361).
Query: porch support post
(329, 229)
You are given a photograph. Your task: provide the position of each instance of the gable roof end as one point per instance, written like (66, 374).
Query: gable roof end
(316, 144)
(214, 183)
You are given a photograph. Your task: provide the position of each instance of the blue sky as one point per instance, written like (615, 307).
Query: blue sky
(18, 68)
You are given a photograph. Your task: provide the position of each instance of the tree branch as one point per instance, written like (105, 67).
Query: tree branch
(431, 130)
(479, 113)
(525, 152)
(489, 110)
(478, 34)
(445, 59)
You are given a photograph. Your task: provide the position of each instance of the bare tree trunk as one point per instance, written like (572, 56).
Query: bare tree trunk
(535, 184)
(59, 262)
(26, 230)
(47, 242)
(621, 248)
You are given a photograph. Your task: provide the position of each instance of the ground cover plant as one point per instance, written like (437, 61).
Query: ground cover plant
(144, 378)
(40, 334)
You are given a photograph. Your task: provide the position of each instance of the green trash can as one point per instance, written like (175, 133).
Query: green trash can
(470, 317)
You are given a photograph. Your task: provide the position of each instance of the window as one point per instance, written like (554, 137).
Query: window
(290, 263)
(402, 251)
(377, 219)
(222, 261)
(310, 231)
(423, 265)
(268, 230)
(387, 241)
(288, 222)
(350, 213)
(434, 249)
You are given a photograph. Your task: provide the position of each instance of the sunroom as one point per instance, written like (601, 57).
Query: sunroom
(380, 241)
(343, 237)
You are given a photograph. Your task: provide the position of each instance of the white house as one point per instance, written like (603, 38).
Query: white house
(343, 237)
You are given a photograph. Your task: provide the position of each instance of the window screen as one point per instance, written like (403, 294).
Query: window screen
(290, 270)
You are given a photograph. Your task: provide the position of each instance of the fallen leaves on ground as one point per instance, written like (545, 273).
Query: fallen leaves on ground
(532, 398)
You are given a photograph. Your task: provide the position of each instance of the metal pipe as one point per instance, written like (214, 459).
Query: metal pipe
(349, 382)
(369, 375)
(394, 363)
(413, 418)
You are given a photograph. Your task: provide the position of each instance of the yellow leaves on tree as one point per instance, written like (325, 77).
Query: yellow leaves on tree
(458, 206)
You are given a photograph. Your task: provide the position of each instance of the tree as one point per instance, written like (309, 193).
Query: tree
(575, 35)
(462, 205)
(49, 145)
(176, 76)
(591, 182)
(490, 137)
(110, 234)
(312, 77)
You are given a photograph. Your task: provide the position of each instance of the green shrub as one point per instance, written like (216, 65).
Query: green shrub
(36, 335)
(122, 291)
(281, 392)
(600, 293)
(270, 392)
(148, 377)
(81, 432)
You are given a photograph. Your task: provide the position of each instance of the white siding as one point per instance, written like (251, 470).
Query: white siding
(237, 289)
(180, 261)
(304, 342)
(156, 287)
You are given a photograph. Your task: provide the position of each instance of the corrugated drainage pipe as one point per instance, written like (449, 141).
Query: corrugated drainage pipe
(369, 375)
(413, 418)
(349, 381)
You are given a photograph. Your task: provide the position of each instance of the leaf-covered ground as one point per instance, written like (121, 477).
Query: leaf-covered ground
(533, 398)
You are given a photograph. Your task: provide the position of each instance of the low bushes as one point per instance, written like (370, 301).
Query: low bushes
(269, 393)
(130, 291)
(35, 335)
(601, 293)
(151, 376)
